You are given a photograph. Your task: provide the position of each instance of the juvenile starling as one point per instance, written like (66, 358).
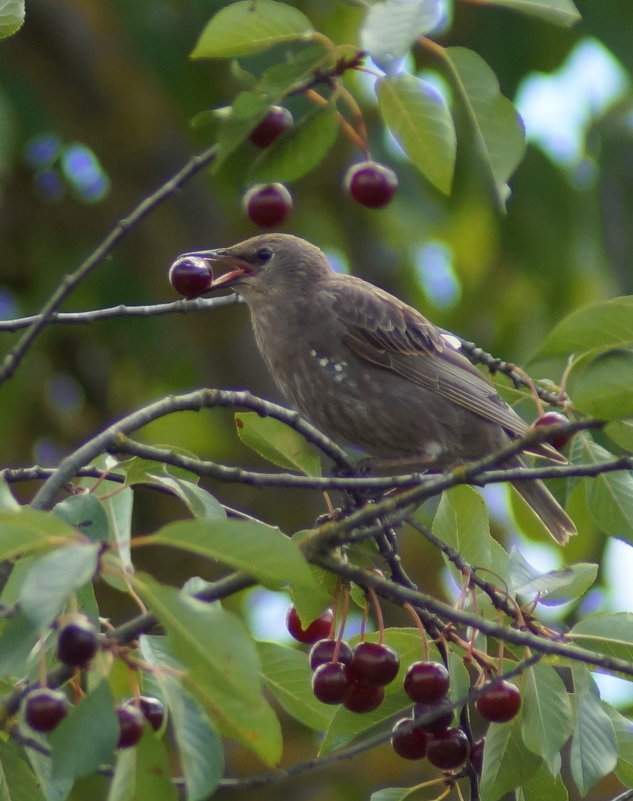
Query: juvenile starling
(371, 371)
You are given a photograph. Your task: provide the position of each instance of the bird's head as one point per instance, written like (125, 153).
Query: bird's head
(266, 263)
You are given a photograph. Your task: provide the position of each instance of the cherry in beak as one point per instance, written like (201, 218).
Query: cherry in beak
(227, 279)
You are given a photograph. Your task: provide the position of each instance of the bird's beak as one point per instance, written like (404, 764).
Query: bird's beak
(229, 278)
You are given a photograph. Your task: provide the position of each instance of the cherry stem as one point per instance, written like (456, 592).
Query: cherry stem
(341, 630)
(380, 623)
(420, 627)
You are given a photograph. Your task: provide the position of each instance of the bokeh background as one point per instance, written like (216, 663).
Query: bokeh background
(96, 103)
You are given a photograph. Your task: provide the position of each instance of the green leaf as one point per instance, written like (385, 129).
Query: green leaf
(153, 779)
(244, 28)
(609, 495)
(294, 154)
(287, 675)
(118, 509)
(261, 551)
(542, 787)
(609, 633)
(54, 789)
(26, 530)
(461, 521)
(547, 714)
(7, 502)
(601, 387)
(507, 761)
(223, 670)
(596, 327)
(199, 745)
(498, 130)
(419, 118)
(624, 735)
(18, 635)
(17, 780)
(312, 600)
(278, 443)
(86, 514)
(53, 577)
(594, 745)
(562, 12)
(11, 17)
(555, 586)
(393, 793)
(86, 738)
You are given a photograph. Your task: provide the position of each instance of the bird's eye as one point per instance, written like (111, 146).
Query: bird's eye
(264, 254)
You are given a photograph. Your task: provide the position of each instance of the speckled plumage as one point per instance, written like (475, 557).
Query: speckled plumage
(369, 370)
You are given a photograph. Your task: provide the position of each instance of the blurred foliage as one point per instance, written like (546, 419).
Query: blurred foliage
(111, 83)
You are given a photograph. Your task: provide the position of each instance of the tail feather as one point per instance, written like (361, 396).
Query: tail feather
(547, 509)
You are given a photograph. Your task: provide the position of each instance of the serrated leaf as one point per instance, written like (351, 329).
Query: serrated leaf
(11, 17)
(601, 387)
(53, 577)
(562, 12)
(392, 26)
(287, 675)
(221, 662)
(296, 153)
(507, 761)
(595, 327)
(278, 443)
(86, 738)
(555, 586)
(609, 633)
(419, 118)
(499, 132)
(594, 745)
(624, 736)
(609, 495)
(244, 28)
(547, 714)
(261, 551)
(461, 521)
(542, 787)
(26, 530)
(85, 513)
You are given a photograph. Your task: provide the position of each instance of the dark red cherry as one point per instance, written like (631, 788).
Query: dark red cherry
(131, 725)
(374, 663)
(190, 275)
(411, 743)
(362, 698)
(553, 419)
(371, 184)
(323, 651)
(330, 683)
(44, 709)
(277, 120)
(77, 642)
(153, 711)
(500, 702)
(448, 750)
(426, 682)
(441, 720)
(318, 629)
(267, 205)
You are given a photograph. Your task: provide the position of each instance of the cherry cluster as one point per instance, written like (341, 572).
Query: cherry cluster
(269, 205)
(44, 708)
(354, 677)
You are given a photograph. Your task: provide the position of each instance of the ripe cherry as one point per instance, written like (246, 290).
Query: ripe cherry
(318, 629)
(323, 651)
(553, 419)
(362, 698)
(131, 725)
(427, 682)
(500, 702)
(190, 275)
(330, 683)
(374, 663)
(410, 744)
(153, 711)
(44, 709)
(267, 205)
(277, 120)
(77, 642)
(448, 749)
(371, 184)
(440, 722)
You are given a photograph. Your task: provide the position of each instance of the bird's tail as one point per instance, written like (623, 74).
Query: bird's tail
(546, 508)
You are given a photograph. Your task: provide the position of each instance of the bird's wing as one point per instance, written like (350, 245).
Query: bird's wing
(388, 333)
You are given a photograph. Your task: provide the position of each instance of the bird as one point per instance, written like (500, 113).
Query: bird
(369, 370)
